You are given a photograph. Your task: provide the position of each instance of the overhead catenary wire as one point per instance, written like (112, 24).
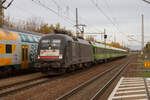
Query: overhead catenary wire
(80, 17)
(58, 6)
(99, 9)
(67, 7)
(111, 12)
(109, 19)
(68, 20)
(116, 25)
(106, 16)
(60, 10)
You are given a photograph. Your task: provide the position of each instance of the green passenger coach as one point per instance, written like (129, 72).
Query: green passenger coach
(103, 52)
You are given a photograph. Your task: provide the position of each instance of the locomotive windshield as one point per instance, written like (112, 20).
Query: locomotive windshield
(50, 47)
(55, 43)
(45, 43)
(50, 44)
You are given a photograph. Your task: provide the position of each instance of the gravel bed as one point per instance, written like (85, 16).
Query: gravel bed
(131, 70)
(12, 80)
(56, 88)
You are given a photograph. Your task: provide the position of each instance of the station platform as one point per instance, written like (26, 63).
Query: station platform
(131, 88)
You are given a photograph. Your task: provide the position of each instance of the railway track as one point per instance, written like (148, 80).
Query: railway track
(9, 86)
(9, 82)
(95, 97)
(20, 85)
(95, 87)
(14, 87)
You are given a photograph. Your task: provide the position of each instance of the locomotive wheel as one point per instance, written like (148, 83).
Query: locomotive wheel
(85, 65)
(71, 68)
(68, 70)
(64, 70)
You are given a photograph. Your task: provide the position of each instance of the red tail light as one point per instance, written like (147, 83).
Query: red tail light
(50, 57)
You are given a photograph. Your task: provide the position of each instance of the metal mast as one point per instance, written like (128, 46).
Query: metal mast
(142, 43)
(77, 33)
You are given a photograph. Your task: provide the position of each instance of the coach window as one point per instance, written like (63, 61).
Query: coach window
(8, 48)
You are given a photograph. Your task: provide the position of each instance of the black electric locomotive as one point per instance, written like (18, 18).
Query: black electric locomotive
(58, 53)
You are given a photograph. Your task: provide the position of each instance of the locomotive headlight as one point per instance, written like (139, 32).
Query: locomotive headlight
(38, 57)
(60, 56)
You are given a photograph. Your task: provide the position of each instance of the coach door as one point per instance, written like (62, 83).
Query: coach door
(24, 53)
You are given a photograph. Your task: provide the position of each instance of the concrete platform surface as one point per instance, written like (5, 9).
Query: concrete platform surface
(131, 88)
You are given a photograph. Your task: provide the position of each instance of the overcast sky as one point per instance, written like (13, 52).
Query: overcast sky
(120, 18)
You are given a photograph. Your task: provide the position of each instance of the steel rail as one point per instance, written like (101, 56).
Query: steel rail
(70, 93)
(147, 90)
(18, 83)
(21, 87)
(95, 97)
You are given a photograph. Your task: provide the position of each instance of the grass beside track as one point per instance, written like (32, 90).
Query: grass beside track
(144, 74)
(142, 71)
